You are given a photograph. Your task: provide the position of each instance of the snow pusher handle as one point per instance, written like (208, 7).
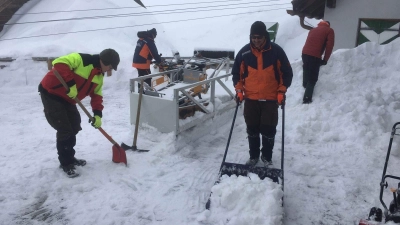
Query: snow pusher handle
(118, 153)
(134, 147)
(283, 141)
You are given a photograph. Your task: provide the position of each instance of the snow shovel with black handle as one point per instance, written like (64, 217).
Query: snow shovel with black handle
(243, 170)
(134, 147)
(119, 155)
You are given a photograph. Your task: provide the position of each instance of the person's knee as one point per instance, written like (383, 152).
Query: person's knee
(268, 131)
(253, 131)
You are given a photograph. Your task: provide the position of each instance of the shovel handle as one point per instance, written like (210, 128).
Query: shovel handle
(59, 77)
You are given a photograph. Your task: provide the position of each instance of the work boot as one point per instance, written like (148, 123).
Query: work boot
(254, 145)
(267, 163)
(252, 162)
(79, 162)
(69, 170)
(307, 100)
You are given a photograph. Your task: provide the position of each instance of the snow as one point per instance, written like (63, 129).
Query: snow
(335, 148)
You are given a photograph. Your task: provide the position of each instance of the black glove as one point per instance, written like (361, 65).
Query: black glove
(323, 62)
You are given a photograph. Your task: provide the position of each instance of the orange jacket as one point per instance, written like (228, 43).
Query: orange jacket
(145, 51)
(319, 40)
(262, 74)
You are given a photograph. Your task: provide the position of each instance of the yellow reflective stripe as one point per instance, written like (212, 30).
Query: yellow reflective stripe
(73, 60)
(75, 63)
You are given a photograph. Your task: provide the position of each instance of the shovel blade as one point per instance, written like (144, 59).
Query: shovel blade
(119, 155)
(242, 170)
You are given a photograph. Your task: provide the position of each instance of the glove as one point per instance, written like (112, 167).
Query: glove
(161, 67)
(323, 62)
(97, 121)
(239, 96)
(281, 98)
(73, 92)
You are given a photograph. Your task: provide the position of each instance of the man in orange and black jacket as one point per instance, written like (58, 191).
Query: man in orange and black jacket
(261, 75)
(319, 40)
(145, 51)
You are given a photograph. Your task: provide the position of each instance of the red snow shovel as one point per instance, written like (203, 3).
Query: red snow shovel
(119, 154)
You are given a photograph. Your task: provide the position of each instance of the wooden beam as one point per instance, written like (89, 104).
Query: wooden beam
(6, 59)
(39, 59)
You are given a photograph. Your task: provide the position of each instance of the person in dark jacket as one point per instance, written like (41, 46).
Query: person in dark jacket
(84, 75)
(319, 40)
(145, 51)
(261, 75)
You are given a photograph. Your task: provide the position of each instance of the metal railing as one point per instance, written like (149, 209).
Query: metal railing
(210, 82)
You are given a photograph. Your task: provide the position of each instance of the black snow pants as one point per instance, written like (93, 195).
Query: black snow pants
(311, 66)
(144, 72)
(66, 120)
(261, 117)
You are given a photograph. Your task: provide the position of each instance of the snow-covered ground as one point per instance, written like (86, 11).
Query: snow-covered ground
(335, 148)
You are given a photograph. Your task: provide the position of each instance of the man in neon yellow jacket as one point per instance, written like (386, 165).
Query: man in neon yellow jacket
(84, 75)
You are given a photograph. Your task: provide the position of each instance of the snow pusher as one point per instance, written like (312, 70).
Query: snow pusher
(391, 214)
(276, 175)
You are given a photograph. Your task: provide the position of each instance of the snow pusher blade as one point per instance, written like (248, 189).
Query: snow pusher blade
(276, 175)
(392, 213)
(242, 170)
(119, 154)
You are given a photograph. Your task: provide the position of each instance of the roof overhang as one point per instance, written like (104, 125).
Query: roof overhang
(308, 8)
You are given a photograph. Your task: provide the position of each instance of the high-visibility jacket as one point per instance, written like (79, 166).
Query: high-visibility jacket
(261, 74)
(84, 70)
(145, 51)
(319, 40)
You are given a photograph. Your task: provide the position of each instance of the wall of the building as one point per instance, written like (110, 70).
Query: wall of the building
(344, 18)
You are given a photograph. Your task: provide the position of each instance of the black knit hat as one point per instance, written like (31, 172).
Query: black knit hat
(153, 32)
(110, 57)
(258, 28)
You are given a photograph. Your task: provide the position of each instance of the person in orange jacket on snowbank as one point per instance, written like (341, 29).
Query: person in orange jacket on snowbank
(319, 40)
(83, 73)
(261, 75)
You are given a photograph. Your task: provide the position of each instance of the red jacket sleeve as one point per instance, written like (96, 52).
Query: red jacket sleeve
(330, 41)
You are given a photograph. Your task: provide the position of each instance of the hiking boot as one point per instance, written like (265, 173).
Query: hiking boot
(267, 163)
(69, 170)
(252, 162)
(79, 162)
